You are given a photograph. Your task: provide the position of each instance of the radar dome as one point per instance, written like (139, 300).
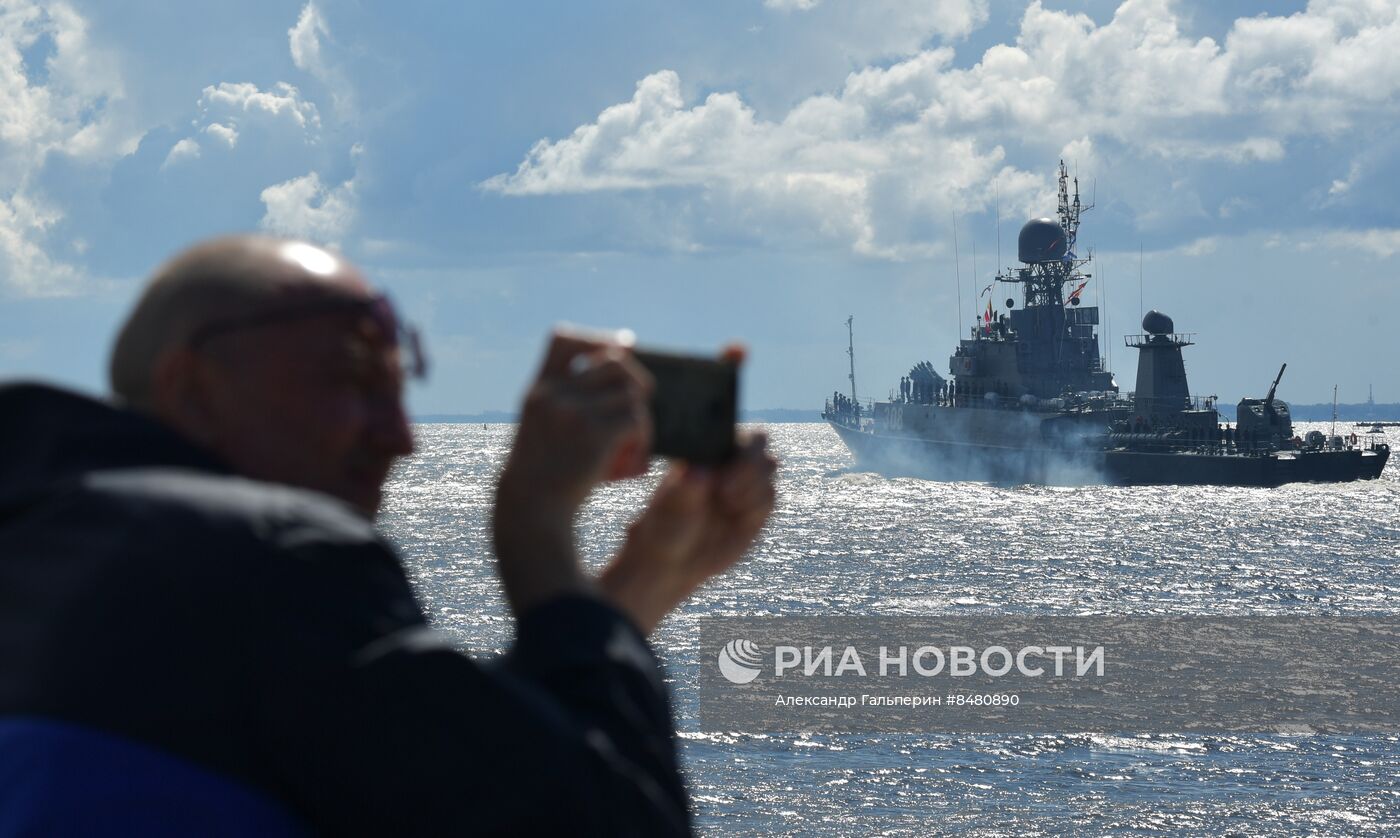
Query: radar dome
(1041, 240)
(1157, 323)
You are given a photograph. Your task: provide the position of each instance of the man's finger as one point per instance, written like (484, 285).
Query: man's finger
(633, 459)
(625, 425)
(755, 488)
(686, 488)
(751, 443)
(563, 347)
(752, 455)
(611, 367)
(748, 482)
(757, 492)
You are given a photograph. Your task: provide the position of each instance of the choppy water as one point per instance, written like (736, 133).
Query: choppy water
(848, 542)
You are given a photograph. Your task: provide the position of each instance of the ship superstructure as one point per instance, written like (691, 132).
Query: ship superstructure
(1048, 346)
(1030, 397)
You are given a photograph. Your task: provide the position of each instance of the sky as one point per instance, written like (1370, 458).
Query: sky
(752, 170)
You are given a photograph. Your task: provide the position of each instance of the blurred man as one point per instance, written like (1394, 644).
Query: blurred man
(201, 632)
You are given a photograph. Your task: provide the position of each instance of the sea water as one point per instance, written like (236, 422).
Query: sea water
(844, 541)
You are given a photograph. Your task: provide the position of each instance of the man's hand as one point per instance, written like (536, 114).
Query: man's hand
(698, 524)
(585, 420)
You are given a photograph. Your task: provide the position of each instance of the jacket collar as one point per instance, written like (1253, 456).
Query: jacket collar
(50, 436)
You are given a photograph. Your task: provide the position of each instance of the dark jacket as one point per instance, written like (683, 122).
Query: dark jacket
(268, 634)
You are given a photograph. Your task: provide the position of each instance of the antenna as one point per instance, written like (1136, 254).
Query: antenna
(1334, 411)
(957, 272)
(975, 279)
(1098, 300)
(1070, 210)
(1066, 218)
(851, 351)
(1107, 321)
(1074, 240)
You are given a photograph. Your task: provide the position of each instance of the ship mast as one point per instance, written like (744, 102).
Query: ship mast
(851, 351)
(1048, 249)
(1334, 410)
(1044, 282)
(1069, 210)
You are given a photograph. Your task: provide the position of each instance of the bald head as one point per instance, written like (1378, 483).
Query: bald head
(276, 356)
(216, 281)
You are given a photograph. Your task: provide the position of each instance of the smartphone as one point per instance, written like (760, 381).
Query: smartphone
(694, 407)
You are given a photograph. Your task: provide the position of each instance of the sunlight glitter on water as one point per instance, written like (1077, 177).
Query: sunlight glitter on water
(849, 542)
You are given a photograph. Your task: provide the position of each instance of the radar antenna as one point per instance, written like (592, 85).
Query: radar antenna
(1054, 261)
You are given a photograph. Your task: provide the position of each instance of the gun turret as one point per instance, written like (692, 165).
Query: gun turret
(1269, 402)
(1264, 422)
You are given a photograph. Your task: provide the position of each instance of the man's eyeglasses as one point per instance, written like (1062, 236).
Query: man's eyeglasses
(378, 309)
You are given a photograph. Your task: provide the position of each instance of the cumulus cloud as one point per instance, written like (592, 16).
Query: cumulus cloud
(235, 101)
(73, 104)
(29, 269)
(186, 149)
(278, 117)
(826, 168)
(791, 5)
(881, 163)
(229, 109)
(1321, 69)
(305, 208)
(76, 110)
(226, 134)
(653, 140)
(62, 94)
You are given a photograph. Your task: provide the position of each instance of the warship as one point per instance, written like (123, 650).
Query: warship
(1030, 399)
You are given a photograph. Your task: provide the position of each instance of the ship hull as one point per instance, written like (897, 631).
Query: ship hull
(936, 459)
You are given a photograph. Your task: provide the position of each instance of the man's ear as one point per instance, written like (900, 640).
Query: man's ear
(181, 394)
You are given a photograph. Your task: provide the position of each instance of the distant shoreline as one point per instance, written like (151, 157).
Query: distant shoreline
(1362, 412)
(501, 417)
